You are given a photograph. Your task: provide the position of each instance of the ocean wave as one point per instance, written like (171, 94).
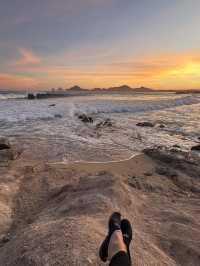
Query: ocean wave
(27, 111)
(132, 106)
(6, 96)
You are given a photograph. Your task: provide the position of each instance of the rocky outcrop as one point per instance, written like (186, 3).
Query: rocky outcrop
(182, 167)
(31, 96)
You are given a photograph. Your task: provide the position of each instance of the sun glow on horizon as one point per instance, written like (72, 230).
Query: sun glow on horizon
(160, 72)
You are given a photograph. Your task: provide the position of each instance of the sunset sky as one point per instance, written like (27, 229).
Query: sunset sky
(99, 43)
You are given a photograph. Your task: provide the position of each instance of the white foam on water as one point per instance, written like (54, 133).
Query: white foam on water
(32, 110)
(65, 162)
(114, 106)
(60, 124)
(6, 96)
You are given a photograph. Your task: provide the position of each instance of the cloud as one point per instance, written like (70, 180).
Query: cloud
(160, 71)
(27, 57)
(16, 81)
(157, 66)
(179, 70)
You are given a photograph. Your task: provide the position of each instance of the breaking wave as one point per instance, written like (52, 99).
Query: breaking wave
(114, 106)
(27, 111)
(6, 96)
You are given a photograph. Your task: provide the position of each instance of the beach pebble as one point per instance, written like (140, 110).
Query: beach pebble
(176, 146)
(145, 124)
(196, 148)
(106, 123)
(4, 143)
(4, 239)
(58, 116)
(7, 152)
(148, 174)
(86, 119)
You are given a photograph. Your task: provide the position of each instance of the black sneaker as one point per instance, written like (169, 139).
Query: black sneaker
(127, 234)
(113, 224)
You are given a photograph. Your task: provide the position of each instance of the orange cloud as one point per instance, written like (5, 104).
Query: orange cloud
(16, 81)
(159, 71)
(157, 65)
(162, 71)
(27, 57)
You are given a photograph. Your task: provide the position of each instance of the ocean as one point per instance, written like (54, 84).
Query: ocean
(51, 127)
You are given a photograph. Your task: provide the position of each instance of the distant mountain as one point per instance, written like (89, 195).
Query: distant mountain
(143, 89)
(123, 88)
(120, 88)
(76, 88)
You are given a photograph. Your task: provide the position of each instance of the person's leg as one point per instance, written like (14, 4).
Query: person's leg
(116, 244)
(120, 259)
(127, 233)
(114, 224)
(117, 250)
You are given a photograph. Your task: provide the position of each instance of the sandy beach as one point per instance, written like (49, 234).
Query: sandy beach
(56, 213)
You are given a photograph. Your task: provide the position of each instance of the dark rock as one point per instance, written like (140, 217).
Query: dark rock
(145, 124)
(166, 172)
(174, 150)
(52, 105)
(58, 116)
(5, 239)
(106, 123)
(141, 183)
(46, 95)
(100, 124)
(176, 146)
(159, 154)
(31, 96)
(186, 162)
(161, 126)
(7, 155)
(195, 148)
(7, 152)
(148, 174)
(86, 119)
(4, 144)
(161, 170)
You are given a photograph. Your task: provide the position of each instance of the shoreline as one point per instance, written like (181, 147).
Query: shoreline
(96, 162)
